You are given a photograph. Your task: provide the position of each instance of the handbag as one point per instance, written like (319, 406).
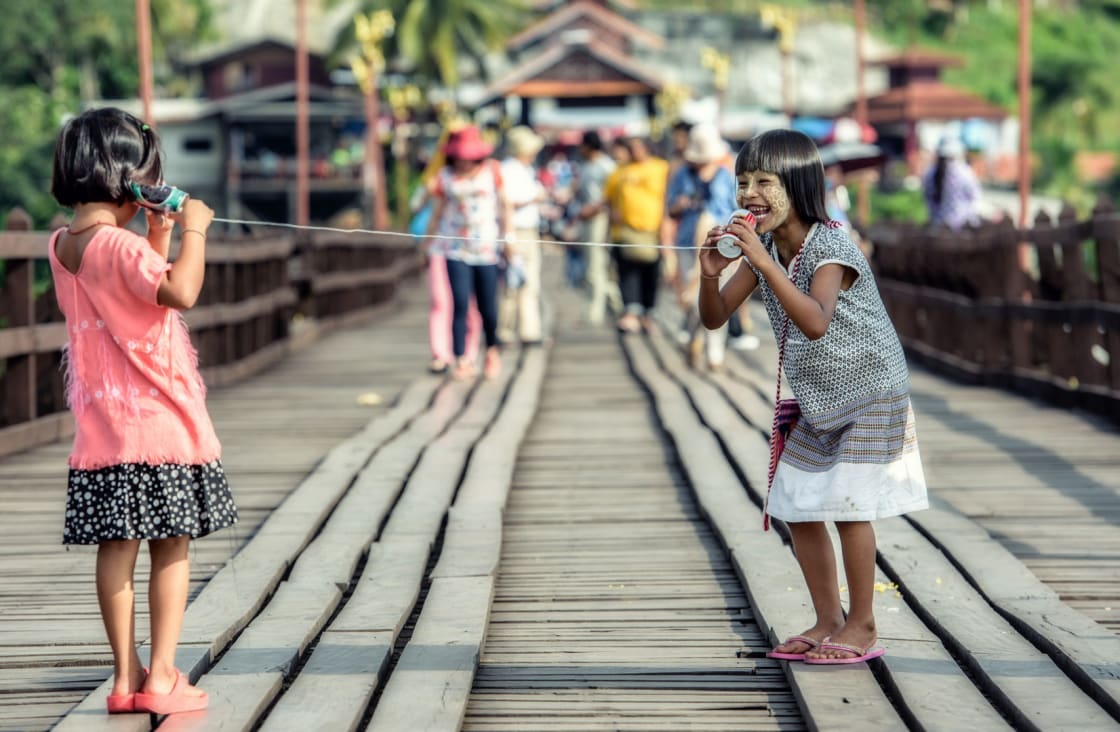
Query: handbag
(786, 411)
(641, 246)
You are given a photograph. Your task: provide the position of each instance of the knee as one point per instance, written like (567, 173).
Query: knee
(170, 549)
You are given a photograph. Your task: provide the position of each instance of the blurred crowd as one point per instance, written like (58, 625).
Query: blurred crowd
(627, 214)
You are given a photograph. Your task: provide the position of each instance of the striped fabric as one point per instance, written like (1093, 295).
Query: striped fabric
(877, 430)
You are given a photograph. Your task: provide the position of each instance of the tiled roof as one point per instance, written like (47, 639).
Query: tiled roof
(929, 100)
(571, 12)
(636, 76)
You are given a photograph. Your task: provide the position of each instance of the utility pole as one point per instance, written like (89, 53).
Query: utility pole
(303, 122)
(144, 46)
(1024, 112)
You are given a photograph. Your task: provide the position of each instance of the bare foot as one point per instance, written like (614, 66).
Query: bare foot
(163, 684)
(130, 683)
(818, 633)
(856, 635)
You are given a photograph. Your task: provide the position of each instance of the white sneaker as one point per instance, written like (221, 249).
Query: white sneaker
(745, 342)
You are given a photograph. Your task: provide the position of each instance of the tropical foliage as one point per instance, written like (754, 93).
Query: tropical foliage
(433, 37)
(56, 54)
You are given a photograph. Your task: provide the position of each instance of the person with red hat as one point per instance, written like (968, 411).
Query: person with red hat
(471, 218)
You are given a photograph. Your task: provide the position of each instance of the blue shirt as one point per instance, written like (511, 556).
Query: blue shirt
(716, 196)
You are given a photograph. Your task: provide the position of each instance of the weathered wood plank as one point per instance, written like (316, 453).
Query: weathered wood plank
(428, 690)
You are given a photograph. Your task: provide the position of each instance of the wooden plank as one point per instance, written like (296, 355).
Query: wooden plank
(388, 588)
(1031, 688)
(335, 686)
(619, 538)
(1083, 649)
(428, 690)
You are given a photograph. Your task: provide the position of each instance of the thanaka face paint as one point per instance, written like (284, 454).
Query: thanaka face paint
(763, 194)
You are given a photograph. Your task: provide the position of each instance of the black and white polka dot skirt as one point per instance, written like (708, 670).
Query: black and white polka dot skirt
(140, 501)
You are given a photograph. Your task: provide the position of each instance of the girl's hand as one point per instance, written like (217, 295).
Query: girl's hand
(195, 215)
(712, 263)
(749, 242)
(158, 224)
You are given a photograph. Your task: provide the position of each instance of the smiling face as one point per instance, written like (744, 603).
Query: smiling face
(763, 194)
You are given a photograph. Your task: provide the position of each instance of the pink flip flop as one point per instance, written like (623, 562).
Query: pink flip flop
(173, 702)
(794, 656)
(122, 703)
(861, 654)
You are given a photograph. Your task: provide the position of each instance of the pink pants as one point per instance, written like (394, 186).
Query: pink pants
(440, 312)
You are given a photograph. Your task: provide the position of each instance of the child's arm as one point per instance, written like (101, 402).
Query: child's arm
(159, 232)
(717, 305)
(183, 282)
(811, 313)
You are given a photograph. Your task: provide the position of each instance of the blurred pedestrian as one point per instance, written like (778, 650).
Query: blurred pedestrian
(636, 195)
(700, 195)
(440, 306)
(519, 312)
(595, 168)
(472, 215)
(952, 190)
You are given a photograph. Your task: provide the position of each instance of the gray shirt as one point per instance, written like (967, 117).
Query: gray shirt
(859, 357)
(593, 176)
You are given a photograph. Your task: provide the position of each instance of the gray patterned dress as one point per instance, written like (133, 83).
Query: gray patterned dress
(853, 454)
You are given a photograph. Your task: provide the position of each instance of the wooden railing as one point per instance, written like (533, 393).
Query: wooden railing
(1036, 310)
(254, 288)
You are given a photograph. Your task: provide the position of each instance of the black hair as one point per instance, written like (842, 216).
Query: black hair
(98, 153)
(591, 140)
(793, 157)
(682, 126)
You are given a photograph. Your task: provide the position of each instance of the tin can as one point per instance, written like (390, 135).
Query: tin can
(162, 198)
(728, 245)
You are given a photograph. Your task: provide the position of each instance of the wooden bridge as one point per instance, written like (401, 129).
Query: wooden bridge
(576, 545)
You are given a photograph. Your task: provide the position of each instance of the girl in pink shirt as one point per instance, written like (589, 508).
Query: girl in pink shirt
(146, 464)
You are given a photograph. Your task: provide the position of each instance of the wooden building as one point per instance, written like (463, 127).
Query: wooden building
(575, 68)
(918, 107)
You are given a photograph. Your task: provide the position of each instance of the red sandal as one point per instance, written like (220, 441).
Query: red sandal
(174, 701)
(123, 703)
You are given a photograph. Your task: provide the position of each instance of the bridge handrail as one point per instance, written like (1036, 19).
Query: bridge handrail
(1036, 310)
(242, 323)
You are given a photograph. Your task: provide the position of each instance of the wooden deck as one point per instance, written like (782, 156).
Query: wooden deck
(571, 547)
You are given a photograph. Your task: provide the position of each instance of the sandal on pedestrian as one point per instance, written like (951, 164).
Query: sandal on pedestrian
(493, 364)
(859, 655)
(463, 370)
(794, 656)
(123, 703)
(173, 702)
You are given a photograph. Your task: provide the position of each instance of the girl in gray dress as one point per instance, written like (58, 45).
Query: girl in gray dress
(850, 453)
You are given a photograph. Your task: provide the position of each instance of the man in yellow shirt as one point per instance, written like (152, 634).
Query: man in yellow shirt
(635, 193)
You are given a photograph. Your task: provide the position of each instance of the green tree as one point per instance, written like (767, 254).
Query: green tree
(432, 35)
(56, 56)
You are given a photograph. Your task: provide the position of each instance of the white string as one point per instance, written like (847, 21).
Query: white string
(338, 230)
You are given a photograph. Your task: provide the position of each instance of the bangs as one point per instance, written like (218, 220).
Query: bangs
(793, 157)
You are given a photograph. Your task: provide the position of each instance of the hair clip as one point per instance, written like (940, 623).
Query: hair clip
(144, 127)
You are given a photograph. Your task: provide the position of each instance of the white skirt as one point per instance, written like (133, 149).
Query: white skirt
(849, 491)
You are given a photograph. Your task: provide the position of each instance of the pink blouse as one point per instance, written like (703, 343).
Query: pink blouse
(132, 377)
